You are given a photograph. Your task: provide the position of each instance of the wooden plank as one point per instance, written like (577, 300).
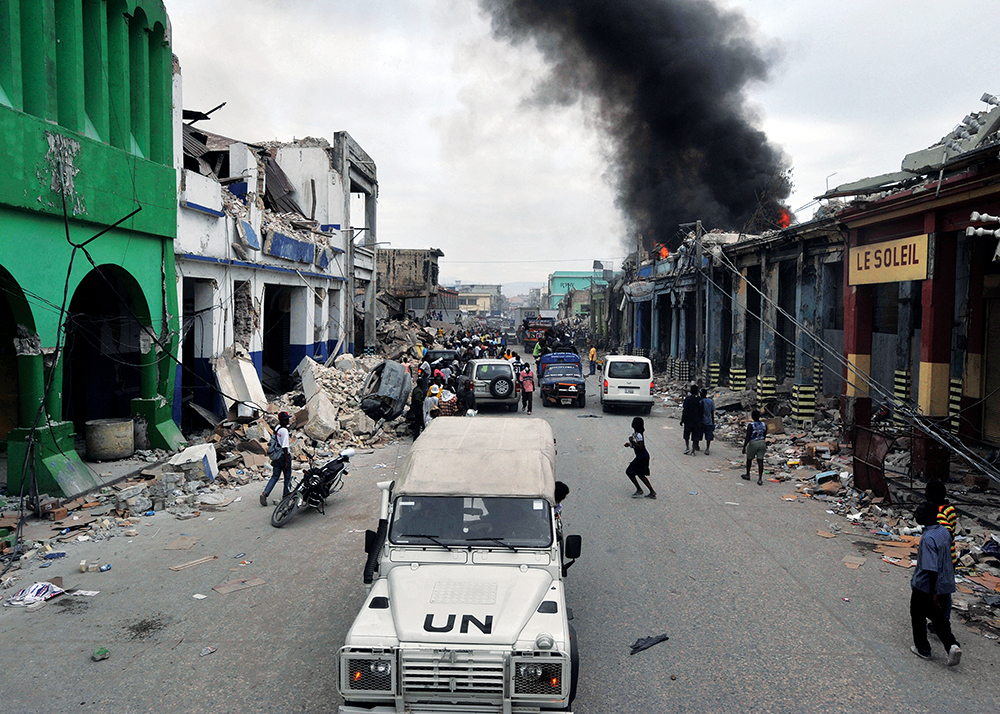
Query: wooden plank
(184, 566)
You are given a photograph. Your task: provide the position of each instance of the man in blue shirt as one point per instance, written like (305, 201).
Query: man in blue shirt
(932, 583)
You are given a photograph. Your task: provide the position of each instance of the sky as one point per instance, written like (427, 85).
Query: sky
(513, 189)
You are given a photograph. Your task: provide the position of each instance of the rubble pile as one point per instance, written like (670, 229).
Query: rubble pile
(405, 338)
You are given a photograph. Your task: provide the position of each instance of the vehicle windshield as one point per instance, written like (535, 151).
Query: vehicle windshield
(628, 370)
(433, 356)
(488, 372)
(471, 521)
(561, 370)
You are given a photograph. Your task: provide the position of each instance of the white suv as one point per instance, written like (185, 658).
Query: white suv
(627, 381)
(494, 382)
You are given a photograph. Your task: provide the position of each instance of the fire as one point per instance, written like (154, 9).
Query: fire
(784, 217)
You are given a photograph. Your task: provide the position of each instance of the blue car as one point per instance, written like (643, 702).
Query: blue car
(561, 380)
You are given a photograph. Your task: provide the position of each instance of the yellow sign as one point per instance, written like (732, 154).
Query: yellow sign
(891, 261)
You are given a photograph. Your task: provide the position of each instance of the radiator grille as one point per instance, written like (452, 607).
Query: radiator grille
(452, 672)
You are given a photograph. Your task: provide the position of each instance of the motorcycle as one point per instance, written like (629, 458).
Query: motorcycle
(316, 484)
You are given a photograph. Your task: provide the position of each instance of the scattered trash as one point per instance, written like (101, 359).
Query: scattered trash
(241, 555)
(208, 651)
(199, 596)
(846, 599)
(731, 503)
(245, 562)
(39, 592)
(100, 654)
(105, 568)
(83, 593)
(644, 643)
(57, 554)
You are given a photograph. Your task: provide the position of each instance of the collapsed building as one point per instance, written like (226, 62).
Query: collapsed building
(267, 264)
(886, 301)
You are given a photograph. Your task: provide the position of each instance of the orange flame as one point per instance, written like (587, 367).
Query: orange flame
(784, 217)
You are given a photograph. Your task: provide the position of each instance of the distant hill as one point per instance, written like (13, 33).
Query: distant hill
(514, 289)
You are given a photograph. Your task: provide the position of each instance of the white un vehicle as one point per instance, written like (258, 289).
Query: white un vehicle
(466, 610)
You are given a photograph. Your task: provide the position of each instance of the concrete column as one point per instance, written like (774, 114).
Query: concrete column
(938, 303)
(960, 335)
(654, 325)
(903, 375)
(54, 399)
(147, 365)
(675, 326)
(768, 318)
(300, 335)
(30, 387)
(682, 345)
(975, 316)
(859, 305)
(804, 390)
(738, 363)
(714, 332)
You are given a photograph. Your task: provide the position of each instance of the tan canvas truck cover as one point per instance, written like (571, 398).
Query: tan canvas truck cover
(461, 456)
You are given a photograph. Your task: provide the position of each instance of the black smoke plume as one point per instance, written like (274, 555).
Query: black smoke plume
(668, 77)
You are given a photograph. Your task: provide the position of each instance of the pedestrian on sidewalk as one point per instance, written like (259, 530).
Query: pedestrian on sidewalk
(280, 453)
(638, 468)
(707, 419)
(527, 379)
(593, 360)
(933, 578)
(754, 445)
(691, 420)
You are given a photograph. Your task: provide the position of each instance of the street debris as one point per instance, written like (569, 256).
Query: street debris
(644, 643)
(99, 654)
(209, 650)
(191, 564)
(241, 584)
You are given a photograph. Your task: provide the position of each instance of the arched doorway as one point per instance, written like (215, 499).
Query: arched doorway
(101, 372)
(14, 312)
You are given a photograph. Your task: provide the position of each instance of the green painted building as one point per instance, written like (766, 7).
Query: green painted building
(88, 216)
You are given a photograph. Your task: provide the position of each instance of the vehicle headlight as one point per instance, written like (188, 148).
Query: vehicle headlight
(530, 672)
(572, 387)
(366, 673)
(540, 677)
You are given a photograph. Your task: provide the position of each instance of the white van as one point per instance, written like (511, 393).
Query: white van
(627, 381)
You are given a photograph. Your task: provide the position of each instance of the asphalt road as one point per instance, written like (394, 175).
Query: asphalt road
(761, 613)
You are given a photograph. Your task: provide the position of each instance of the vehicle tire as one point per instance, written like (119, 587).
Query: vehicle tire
(582, 401)
(574, 663)
(501, 387)
(286, 508)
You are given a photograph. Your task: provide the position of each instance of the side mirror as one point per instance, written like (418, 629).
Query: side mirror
(573, 546)
(370, 537)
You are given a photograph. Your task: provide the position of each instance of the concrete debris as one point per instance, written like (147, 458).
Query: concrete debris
(820, 466)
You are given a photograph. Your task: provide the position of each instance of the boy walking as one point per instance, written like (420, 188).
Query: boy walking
(281, 463)
(933, 579)
(638, 468)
